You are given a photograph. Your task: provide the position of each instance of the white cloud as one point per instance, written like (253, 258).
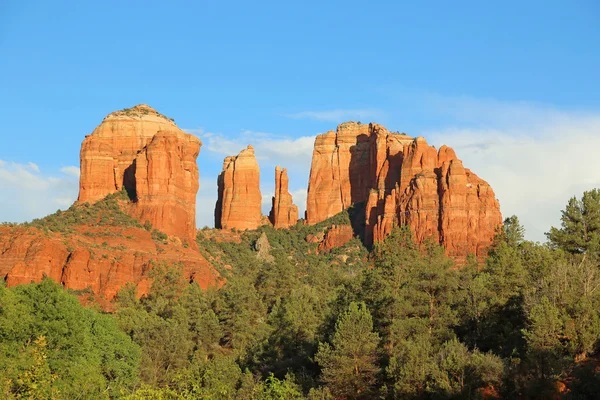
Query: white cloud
(27, 195)
(337, 115)
(71, 170)
(299, 197)
(535, 161)
(205, 201)
(267, 146)
(295, 154)
(33, 167)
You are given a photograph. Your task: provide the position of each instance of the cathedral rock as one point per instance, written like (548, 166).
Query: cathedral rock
(402, 181)
(283, 213)
(142, 151)
(239, 202)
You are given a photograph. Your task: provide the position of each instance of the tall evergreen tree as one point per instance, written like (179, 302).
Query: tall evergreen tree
(349, 364)
(514, 232)
(580, 226)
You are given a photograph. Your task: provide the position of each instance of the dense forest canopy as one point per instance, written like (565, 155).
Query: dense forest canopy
(399, 321)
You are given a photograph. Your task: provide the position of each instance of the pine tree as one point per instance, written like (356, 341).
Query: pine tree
(580, 226)
(514, 233)
(349, 364)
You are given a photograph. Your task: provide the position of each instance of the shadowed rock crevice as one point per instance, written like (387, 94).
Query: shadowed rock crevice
(129, 181)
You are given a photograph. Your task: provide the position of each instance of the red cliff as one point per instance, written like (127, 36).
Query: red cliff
(142, 151)
(283, 212)
(239, 199)
(166, 178)
(95, 261)
(403, 181)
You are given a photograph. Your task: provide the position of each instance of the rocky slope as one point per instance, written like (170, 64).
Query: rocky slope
(239, 199)
(403, 181)
(95, 250)
(284, 213)
(145, 153)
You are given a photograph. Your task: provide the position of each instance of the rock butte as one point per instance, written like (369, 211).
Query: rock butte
(402, 181)
(283, 212)
(239, 199)
(142, 151)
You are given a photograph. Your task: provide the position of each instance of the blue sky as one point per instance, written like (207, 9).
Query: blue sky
(513, 87)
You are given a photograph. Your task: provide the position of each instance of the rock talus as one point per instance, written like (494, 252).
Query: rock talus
(283, 212)
(142, 151)
(239, 199)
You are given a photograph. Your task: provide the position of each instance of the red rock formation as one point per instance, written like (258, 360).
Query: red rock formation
(346, 165)
(97, 259)
(144, 152)
(283, 213)
(444, 201)
(403, 181)
(239, 202)
(336, 236)
(166, 178)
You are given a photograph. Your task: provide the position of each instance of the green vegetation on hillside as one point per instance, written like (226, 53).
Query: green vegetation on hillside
(398, 322)
(105, 212)
(53, 348)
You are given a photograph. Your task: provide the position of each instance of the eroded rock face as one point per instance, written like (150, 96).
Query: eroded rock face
(346, 164)
(95, 260)
(239, 202)
(284, 213)
(403, 181)
(144, 152)
(167, 182)
(336, 236)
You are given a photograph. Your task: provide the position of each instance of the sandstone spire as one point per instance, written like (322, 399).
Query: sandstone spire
(283, 213)
(239, 202)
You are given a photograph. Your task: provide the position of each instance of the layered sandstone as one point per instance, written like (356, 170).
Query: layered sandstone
(142, 151)
(284, 213)
(166, 178)
(403, 181)
(239, 199)
(345, 164)
(96, 261)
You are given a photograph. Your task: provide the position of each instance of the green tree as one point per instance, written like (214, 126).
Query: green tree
(295, 320)
(395, 258)
(276, 389)
(86, 354)
(349, 363)
(580, 225)
(36, 382)
(514, 232)
(543, 335)
(426, 301)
